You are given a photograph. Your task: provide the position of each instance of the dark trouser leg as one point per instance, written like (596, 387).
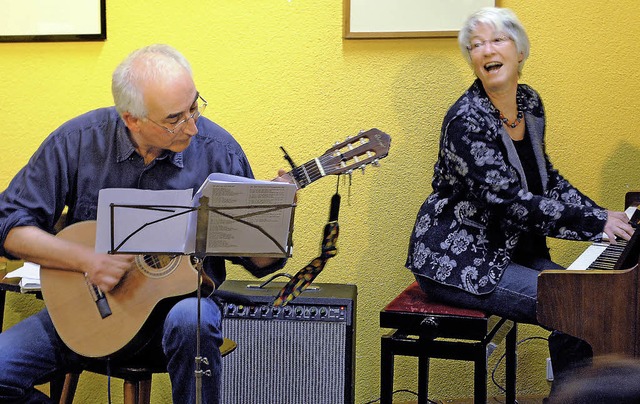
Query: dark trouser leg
(567, 355)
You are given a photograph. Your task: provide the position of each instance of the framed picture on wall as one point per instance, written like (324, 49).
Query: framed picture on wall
(52, 20)
(407, 18)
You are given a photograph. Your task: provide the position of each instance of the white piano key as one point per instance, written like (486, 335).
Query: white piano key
(588, 256)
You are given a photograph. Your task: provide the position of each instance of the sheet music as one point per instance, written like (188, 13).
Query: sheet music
(29, 274)
(246, 217)
(163, 236)
(261, 227)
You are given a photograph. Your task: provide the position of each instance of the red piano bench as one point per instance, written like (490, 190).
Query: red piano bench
(425, 329)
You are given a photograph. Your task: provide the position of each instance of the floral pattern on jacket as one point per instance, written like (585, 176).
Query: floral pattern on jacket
(467, 229)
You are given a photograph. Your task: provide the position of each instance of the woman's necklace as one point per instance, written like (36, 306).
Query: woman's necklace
(514, 123)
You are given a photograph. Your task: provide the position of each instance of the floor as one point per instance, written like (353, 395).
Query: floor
(492, 400)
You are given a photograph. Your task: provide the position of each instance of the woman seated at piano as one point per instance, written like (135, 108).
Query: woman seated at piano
(479, 238)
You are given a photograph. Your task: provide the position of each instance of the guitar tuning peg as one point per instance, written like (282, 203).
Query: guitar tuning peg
(362, 168)
(375, 163)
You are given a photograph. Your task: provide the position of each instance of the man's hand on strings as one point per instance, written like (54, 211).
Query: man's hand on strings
(283, 176)
(106, 270)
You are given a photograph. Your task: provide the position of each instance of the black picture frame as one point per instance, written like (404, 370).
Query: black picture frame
(20, 11)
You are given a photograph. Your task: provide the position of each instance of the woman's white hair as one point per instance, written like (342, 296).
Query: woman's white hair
(503, 20)
(139, 67)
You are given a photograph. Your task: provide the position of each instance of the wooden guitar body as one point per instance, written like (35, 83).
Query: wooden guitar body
(72, 306)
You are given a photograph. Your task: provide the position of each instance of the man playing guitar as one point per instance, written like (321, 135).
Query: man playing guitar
(154, 138)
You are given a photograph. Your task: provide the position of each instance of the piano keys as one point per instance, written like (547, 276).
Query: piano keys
(604, 255)
(600, 255)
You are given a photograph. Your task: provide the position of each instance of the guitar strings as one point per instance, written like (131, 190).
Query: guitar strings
(158, 261)
(311, 171)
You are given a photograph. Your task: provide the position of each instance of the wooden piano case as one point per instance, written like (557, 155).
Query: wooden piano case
(600, 307)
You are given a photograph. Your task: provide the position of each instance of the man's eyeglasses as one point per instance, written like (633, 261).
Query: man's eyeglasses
(497, 42)
(180, 125)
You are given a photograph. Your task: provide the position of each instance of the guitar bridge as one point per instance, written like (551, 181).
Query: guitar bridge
(99, 298)
(103, 307)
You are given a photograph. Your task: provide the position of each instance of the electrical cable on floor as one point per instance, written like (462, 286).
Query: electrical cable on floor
(401, 391)
(493, 376)
(493, 372)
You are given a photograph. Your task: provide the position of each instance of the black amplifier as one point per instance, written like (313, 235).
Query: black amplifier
(301, 353)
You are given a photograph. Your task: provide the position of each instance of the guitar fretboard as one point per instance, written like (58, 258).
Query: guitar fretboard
(308, 172)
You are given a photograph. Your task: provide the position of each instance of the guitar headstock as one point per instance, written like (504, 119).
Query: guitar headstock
(356, 152)
(343, 158)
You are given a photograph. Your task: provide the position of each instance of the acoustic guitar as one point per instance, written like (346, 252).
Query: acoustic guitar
(96, 324)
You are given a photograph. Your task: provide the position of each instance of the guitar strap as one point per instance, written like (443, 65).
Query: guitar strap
(207, 285)
(300, 281)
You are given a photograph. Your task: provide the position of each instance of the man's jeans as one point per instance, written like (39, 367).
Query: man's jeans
(31, 353)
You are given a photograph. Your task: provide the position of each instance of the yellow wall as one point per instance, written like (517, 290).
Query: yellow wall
(277, 72)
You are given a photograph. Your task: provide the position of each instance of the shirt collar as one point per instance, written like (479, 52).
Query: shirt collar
(126, 149)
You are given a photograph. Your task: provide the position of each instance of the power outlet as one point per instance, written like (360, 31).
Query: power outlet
(549, 370)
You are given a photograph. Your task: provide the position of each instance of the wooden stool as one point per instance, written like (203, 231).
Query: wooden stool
(426, 329)
(137, 379)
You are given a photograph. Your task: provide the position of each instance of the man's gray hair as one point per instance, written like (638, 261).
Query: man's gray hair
(142, 66)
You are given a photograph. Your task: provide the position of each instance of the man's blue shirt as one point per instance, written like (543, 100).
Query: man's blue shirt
(94, 151)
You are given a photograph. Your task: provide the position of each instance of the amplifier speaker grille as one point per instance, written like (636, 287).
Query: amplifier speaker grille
(301, 354)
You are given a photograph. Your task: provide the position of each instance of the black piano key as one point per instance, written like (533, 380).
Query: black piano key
(609, 257)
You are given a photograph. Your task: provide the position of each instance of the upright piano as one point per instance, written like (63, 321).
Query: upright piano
(599, 301)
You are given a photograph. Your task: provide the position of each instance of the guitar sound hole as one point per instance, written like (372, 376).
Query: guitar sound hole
(157, 261)
(157, 266)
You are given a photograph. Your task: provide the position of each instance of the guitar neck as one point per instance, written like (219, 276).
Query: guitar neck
(306, 173)
(354, 153)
